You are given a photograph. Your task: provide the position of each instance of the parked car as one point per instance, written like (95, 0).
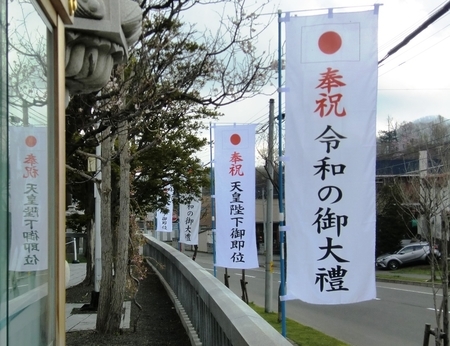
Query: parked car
(413, 253)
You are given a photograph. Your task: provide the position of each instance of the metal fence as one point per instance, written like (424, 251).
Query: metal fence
(211, 313)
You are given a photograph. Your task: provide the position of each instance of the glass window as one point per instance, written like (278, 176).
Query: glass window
(30, 292)
(408, 249)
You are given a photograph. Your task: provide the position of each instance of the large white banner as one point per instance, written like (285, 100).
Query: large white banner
(234, 173)
(189, 222)
(331, 78)
(164, 220)
(28, 173)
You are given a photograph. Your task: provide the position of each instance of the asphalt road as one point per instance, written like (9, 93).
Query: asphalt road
(397, 317)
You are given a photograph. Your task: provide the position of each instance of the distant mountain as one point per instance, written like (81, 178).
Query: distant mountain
(428, 119)
(409, 137)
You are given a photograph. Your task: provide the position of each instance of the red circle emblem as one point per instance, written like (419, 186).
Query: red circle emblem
(235, 139)
(330, 42)
(30, 141)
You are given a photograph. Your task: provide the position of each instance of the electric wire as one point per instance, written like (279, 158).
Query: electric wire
(423, 41)
(431, 19)
(414, 56)
(405, 32)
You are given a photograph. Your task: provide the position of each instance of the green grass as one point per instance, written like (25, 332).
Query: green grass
(423, 273)
(407, 279)
(420, 270)
(296, 332)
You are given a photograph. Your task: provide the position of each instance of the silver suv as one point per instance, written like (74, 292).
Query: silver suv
(409, 254)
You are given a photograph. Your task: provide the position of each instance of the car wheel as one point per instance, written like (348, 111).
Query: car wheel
(393, 265)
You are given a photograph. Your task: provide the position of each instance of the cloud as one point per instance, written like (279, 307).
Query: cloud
(412, 83)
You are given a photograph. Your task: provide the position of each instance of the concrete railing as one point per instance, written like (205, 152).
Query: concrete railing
(212, 314)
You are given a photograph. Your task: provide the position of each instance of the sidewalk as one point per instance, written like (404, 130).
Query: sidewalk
(86, 321)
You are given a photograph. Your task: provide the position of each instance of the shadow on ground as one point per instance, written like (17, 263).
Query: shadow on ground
(156, 324)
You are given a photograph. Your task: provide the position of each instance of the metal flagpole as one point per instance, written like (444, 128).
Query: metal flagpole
(281, 187)
(179, 225)
(211, 193)
(268, 240)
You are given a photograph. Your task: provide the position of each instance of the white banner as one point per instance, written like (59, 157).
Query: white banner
(164, 220)
(331, 75)
(28, 173)
(234, 174)
(189, 222)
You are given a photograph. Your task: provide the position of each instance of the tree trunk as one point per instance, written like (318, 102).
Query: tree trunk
(115, 247)
(105, 312)
(122, 235)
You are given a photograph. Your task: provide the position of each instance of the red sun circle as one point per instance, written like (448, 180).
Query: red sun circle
(30, 141)
(330, 42)
(235, 139)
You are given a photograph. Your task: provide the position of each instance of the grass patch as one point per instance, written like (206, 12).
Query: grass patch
(420, 270)
(296, 332)
(405, 278)
(417, 273)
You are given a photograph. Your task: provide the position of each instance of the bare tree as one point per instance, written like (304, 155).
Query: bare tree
(175, 78)
(427, 194)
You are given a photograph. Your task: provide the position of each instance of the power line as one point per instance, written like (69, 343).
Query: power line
(405, 32)
(425, 40)
(415, 55)
(435, 16)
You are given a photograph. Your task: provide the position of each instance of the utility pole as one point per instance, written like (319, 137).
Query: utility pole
(269, 216)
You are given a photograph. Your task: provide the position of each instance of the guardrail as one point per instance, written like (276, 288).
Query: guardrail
(212, 314)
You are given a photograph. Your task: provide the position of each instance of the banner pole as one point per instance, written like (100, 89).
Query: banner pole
(211, 192)
(281, 186)
(179, 225)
